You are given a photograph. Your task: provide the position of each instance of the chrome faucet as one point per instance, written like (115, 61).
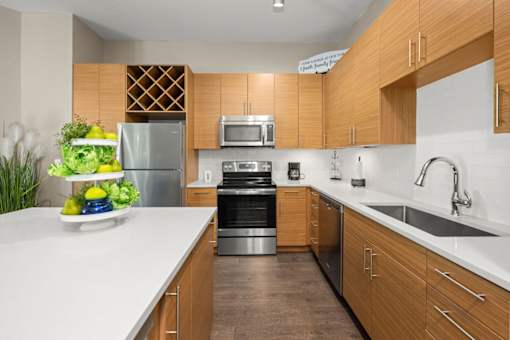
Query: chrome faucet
(456, 200)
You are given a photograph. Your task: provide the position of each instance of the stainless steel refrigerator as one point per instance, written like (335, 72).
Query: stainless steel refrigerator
(152, 156)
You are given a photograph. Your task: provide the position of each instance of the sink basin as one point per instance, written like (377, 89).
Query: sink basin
(429, 223)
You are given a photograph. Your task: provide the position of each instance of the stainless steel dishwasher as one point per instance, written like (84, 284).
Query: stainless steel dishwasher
(331, 240)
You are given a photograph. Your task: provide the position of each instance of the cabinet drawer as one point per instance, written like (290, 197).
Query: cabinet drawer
(445, 320)
(203, 197)
(291, 192)
(480, 298)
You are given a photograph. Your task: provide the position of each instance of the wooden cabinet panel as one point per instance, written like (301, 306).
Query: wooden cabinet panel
(112, 95)
(310, 111)
(260, 94)
(398, 299)
(286, 110)
(201, 197)
(207, 110)
(202, 287)
(399, 31)
(446, 26)
(367, 103)
(313, 220)
(445, 320)
(356, 282)
(234, 93)
(179, 292)
(86, 91)
(291, 216)
(502, 65)
(493, 311)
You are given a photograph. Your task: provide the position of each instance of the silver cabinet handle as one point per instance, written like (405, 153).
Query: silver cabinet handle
(177, 294)
(365, 250)
(497, 104)
(350, 135)
(409, 53)
(445, 313)
(354, 135)
(372, 255)
(419, 46)
(447, 276)
(212, 242)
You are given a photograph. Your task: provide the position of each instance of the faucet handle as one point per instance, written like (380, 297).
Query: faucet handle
(468, 200)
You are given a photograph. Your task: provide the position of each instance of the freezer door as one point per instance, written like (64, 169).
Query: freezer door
(152, 145)
(158, 188)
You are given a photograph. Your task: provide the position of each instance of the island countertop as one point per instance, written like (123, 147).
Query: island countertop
(61, 282)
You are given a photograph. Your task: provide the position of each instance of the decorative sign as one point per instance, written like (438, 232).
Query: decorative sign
(321, 63)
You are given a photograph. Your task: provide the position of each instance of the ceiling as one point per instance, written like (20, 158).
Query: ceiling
(209, 20)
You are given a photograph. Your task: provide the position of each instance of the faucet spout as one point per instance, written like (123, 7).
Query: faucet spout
(456, 200)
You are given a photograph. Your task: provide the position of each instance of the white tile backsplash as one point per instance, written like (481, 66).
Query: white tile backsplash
(454, 119)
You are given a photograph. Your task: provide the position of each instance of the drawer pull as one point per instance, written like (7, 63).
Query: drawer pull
(447, 276)
(445, 313)
(315, 206)
(200, 193)
(314, 194)
(365, 250)
(177, 294)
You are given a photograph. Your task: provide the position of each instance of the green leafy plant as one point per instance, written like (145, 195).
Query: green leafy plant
(75, 129)
(122, 195)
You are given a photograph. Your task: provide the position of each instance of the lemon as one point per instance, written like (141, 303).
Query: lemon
(95, 193)
(110, 135)
(116, 167)
(71, 207)
(95, 132)
(104, 168)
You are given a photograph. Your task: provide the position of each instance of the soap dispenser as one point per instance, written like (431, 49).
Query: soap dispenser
(357, 180)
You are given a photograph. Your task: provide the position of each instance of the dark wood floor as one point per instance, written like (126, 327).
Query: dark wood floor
(276, 297)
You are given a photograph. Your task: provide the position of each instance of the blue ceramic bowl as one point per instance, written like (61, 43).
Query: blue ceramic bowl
(96, 206)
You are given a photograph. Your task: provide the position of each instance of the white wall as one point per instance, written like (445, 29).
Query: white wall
(46, 86)
(215, 57)
(10, 56)
(373, 12)
(88, 47)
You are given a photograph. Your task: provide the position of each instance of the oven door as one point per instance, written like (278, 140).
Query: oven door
(242, 134)
(246, 209)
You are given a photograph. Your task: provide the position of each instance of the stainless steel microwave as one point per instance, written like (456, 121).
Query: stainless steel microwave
(247, 131)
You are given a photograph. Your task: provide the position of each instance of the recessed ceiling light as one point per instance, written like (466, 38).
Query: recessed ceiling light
(278, 3)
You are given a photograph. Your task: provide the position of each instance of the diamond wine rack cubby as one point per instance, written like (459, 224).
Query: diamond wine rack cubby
(156, 88)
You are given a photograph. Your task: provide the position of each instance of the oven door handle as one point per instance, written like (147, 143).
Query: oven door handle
(239, 192)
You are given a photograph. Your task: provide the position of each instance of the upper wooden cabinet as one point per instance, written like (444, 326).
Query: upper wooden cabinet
(234, 94)
(291, 216)
(260, 94)
(99, 92)
(286, 110)
(502, 66)
(207, 110)
(446, 26)
(310, 111)
(399, 32)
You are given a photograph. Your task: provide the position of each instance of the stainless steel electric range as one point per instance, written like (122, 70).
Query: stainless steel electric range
(247, 209)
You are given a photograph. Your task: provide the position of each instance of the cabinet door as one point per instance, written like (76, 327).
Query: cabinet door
(367, 103)
(177, 318)
(502, 65)
(201, 197)
(448, 25)
(399, 299)
(112, 95)
(399, 32)
(310, 111)
(291, 218)
(207, 110)
(234, 94)
(202, 287)
(260, 94)
(286, 110)
(86, 91)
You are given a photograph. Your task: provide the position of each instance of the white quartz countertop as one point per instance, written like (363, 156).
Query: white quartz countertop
(61, 282)
(488, 257)
(202, 184)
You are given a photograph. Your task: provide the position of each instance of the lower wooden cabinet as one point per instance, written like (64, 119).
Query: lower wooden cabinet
(291, 216)
(313, 220)
(203, 197)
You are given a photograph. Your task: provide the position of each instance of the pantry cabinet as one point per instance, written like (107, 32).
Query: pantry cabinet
(287, 110)
(207, 110)
(291, 216)
(501, 66)
(99, 92)
(310, 126)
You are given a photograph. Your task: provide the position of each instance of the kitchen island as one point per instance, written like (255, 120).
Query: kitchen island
(61, 282)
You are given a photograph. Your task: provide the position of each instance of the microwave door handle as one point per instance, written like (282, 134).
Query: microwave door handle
(264, 134)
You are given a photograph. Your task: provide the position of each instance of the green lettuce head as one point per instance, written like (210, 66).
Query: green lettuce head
(106, 154)
(81, 159)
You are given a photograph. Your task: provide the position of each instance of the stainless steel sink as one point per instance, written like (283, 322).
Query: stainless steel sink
(429, 223)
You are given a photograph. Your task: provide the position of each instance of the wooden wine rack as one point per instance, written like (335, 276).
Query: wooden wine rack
(155, 88)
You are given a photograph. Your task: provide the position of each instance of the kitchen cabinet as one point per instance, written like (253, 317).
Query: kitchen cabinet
(385, 293)
(446, 26)
(398, 42)
(234, 94)
(260, 94)
(203, 197)
(310, 126)
(502, 66)
(99, 92)
(202, 276)
(207, 110)
(176, 308)
(286, 110)
(313, 221)
(291, 216)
